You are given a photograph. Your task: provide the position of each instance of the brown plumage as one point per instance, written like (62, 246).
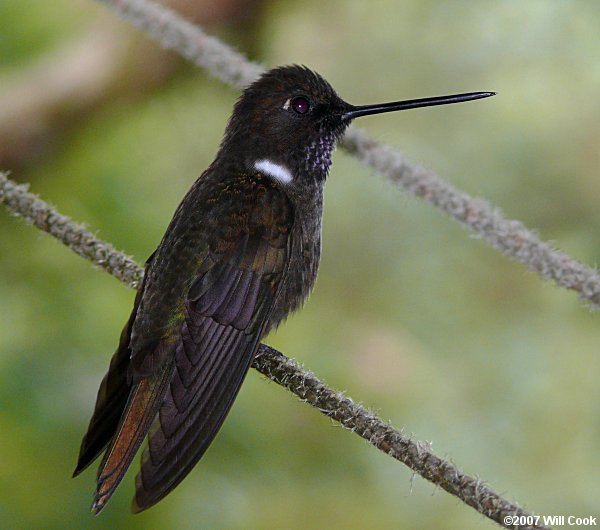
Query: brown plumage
(240, 254)
(191, 361)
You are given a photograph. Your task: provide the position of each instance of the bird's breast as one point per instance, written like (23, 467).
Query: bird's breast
(303, 265)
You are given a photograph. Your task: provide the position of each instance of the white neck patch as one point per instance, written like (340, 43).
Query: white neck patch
(277, 172)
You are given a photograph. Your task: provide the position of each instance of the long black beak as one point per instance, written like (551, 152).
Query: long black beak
(365, 110)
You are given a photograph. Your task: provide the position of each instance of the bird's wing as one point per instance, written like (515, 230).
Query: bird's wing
(225, 316)
(192, 372)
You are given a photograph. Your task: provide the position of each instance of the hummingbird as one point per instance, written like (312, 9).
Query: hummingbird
(240, 254)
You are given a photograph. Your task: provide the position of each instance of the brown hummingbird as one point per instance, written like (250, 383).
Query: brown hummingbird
(240, 254)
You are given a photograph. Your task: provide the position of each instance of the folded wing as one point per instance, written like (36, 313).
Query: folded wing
(225, 315)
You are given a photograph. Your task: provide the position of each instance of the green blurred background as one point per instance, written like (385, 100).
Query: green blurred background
(411, 316)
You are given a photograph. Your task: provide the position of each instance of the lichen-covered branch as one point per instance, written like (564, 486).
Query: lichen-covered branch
(276, 366)
(175, 33)
(415, 454)
(39, 213)
(512, 238)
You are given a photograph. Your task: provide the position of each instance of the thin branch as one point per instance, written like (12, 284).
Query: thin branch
(512, 238)
(175, 33)
(75, 236)
(277, 367)
(414, 454)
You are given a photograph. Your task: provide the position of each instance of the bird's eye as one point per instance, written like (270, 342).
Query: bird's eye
(300, 105)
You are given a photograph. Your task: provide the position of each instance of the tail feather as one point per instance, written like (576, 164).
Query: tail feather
(144, 402)
(105, 421)
(110, 403)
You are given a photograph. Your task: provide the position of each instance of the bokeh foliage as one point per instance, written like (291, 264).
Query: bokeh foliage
(432, 328)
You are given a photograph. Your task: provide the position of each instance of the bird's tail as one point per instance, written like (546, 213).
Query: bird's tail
(142, 406)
